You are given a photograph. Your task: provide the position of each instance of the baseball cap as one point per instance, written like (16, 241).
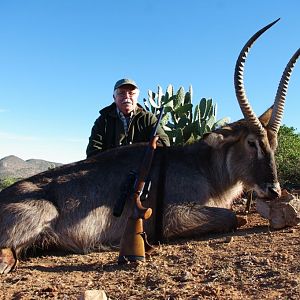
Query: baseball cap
(125, 81)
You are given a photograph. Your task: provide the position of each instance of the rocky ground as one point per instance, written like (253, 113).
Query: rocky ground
(254, 262)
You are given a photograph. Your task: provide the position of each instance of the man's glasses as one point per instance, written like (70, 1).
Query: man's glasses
(126, 93)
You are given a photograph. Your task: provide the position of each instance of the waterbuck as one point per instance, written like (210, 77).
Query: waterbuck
(192, 190)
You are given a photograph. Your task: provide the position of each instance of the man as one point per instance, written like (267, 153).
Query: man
(123, 122)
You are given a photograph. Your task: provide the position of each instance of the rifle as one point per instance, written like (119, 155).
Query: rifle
(134, 242)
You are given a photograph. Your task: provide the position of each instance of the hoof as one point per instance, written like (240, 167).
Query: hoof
(8, 260)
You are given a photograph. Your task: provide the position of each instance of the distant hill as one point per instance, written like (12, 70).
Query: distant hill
(13, 166)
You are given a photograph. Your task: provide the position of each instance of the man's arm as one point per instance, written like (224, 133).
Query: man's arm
(163, 137)
(96, 141)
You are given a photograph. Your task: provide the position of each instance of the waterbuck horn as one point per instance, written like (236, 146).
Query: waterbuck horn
(240, 92)
(277, 113)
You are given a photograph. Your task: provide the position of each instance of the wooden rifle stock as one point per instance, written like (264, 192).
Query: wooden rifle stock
(134, 244)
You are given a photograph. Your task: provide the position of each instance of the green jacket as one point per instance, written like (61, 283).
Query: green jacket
(108, 130)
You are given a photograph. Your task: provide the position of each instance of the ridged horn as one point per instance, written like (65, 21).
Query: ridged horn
(240, 92)
(276, 117)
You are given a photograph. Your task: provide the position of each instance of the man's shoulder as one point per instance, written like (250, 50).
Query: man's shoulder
(109, 110)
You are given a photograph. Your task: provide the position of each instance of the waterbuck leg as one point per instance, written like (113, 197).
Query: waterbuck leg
(8, 260)
(21, 225)
(191, 220)
(249, 201)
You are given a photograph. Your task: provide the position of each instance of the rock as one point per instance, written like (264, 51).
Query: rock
(229, 239)
(186, 276)
(281, 212)
(93, 295)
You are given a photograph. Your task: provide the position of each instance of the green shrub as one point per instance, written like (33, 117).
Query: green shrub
(288, 156)
(6, 182)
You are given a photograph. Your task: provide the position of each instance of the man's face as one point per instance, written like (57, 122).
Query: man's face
(126, 98)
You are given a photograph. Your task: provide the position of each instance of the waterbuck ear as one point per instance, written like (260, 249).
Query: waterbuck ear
(272, 136)
(273, 140)
(213, 139)
(266, 116)
(221, 136)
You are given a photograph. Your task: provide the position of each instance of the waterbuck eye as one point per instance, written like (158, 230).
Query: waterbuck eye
(251, 144)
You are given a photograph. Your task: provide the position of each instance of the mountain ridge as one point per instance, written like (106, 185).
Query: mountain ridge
(15, 167)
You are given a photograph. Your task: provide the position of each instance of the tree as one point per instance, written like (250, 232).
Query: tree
(288, 156)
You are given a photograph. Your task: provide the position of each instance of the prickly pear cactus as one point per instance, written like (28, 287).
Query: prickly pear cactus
(182, 122)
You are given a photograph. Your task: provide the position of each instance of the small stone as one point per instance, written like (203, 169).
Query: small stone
(93, 295)
(229, 239)
(186, 276)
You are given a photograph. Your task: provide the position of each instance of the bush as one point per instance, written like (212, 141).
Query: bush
(288, 156)
(6, 182)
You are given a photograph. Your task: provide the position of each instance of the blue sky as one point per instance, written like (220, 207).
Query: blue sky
(59, 60)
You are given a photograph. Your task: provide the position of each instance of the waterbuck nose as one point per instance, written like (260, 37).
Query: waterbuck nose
(273, 192)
